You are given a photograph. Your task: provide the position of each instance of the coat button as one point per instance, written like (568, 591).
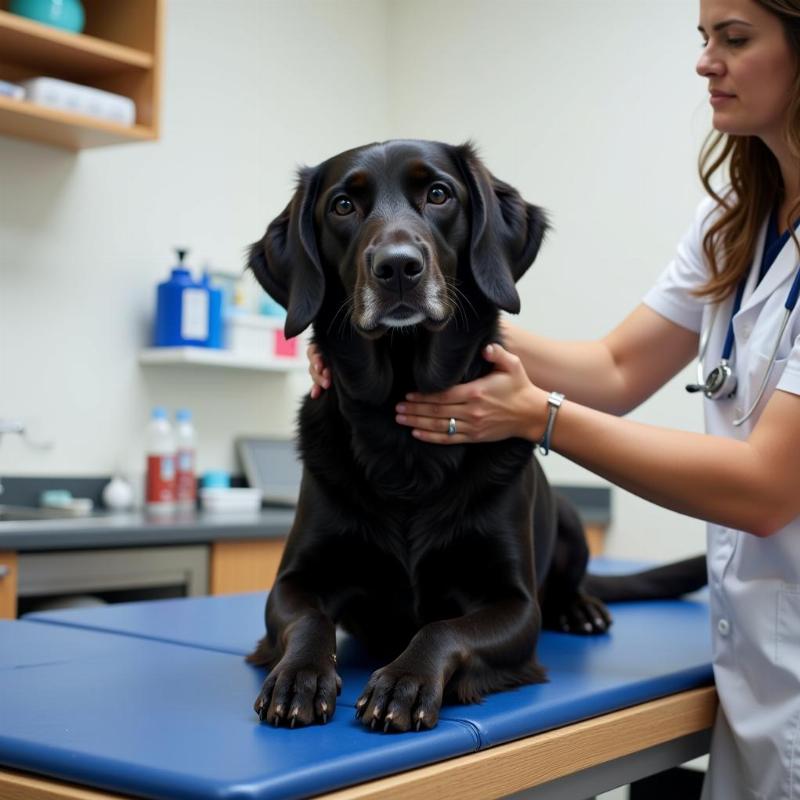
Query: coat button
(724, 627)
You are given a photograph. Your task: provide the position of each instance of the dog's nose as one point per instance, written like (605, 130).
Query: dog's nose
(398, 267)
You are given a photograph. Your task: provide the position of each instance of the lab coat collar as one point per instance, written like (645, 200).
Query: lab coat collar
(780, 272)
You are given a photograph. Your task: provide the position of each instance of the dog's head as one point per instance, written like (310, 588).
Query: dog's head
(398, 225)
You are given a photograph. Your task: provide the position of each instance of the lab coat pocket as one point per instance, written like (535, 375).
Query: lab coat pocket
(787, 640)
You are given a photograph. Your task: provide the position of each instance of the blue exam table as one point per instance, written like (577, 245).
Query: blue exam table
(154, 700)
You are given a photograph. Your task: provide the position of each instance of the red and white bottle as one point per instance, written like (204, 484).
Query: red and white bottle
(185, 467)
(160, 485)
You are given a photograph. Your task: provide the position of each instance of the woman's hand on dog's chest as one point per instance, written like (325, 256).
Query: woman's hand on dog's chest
(320, 374)
(501, 405)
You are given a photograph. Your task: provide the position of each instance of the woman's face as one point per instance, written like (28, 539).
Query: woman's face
(749, 66)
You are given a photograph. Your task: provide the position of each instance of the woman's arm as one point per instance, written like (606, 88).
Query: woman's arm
(616, 373)
(748, 485)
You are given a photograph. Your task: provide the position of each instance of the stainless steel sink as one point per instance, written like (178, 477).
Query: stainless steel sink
(24, 513)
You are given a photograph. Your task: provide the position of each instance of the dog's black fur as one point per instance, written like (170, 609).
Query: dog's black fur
(445, 560)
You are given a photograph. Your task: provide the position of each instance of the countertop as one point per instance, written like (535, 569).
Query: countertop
(103, 529)
(141, 529)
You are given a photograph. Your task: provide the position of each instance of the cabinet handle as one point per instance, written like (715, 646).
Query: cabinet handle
(4, 570)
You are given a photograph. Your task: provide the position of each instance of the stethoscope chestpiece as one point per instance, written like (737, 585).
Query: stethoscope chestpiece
(720, 383)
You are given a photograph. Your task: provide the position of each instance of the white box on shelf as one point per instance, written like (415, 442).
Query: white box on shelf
(12, 90)
(230, 500)
(80, 99)
(258, 336)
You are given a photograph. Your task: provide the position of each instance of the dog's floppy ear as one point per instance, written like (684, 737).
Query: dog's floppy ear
(286, 260)
(506, 232)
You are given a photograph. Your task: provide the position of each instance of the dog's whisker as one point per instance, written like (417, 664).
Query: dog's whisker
(347, 319)
(453, 305)
(461, 308)
(459, 294)
(341, 310)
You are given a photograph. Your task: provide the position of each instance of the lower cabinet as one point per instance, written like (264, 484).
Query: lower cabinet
(244, 566)
(8, 585)
(232, 566)
(126, 574)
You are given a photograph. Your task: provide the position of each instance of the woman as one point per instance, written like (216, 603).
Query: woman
(733, 269)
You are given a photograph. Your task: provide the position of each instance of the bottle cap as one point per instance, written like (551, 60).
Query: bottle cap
(159, 412)
(183, 415)
(217, 479)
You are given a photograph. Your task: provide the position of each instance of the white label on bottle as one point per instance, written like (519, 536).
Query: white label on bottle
(194, 314)
(167, 468)
(185, 460)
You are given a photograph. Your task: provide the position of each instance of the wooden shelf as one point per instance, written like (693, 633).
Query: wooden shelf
(211, 357)
(72, 131)
(72, 55)
(120, 52)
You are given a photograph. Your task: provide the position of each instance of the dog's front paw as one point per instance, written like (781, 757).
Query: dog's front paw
(396, 699)
(298, 692)
(581, 614)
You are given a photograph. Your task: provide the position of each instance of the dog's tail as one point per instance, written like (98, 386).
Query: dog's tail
(660, 583)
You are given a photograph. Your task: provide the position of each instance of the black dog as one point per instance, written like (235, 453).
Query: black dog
(445, 560)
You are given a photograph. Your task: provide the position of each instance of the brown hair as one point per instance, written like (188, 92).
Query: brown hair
(754, 180)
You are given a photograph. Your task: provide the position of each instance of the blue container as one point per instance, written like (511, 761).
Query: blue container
(182, 310)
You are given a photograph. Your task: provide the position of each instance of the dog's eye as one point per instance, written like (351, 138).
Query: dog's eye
(438, 194)
(343, 206)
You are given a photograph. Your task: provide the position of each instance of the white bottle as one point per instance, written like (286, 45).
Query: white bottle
(186, 465)
(160, 486)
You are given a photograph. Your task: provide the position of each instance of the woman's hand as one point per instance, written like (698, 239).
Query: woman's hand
(319, 373)
(500, 405)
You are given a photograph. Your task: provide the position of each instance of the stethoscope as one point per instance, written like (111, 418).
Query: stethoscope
(721, 382)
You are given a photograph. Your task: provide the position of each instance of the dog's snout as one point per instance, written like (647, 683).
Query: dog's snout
(398, 266)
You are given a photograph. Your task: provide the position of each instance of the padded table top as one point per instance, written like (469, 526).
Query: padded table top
(160, 720)
(154, 698)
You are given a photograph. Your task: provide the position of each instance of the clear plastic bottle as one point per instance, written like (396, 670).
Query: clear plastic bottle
(186, 465)
(160, 485)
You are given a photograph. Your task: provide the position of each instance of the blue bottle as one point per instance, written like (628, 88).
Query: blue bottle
(182, 310)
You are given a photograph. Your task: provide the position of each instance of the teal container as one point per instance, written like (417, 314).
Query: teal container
(65, 14)
(214, 311)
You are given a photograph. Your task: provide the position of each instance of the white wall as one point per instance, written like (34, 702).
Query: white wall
(590, 107)
(251, 90)
(593, 110)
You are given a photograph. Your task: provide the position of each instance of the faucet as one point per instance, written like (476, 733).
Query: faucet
(18, 427)
(12, 426)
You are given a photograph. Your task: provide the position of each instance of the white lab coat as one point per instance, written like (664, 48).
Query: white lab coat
(754, 582)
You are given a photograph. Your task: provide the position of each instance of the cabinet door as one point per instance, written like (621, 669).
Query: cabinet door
(245, 566)
(8, 585)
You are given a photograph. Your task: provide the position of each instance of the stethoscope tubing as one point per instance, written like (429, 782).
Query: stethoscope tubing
(788, 306)
(773, 357)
